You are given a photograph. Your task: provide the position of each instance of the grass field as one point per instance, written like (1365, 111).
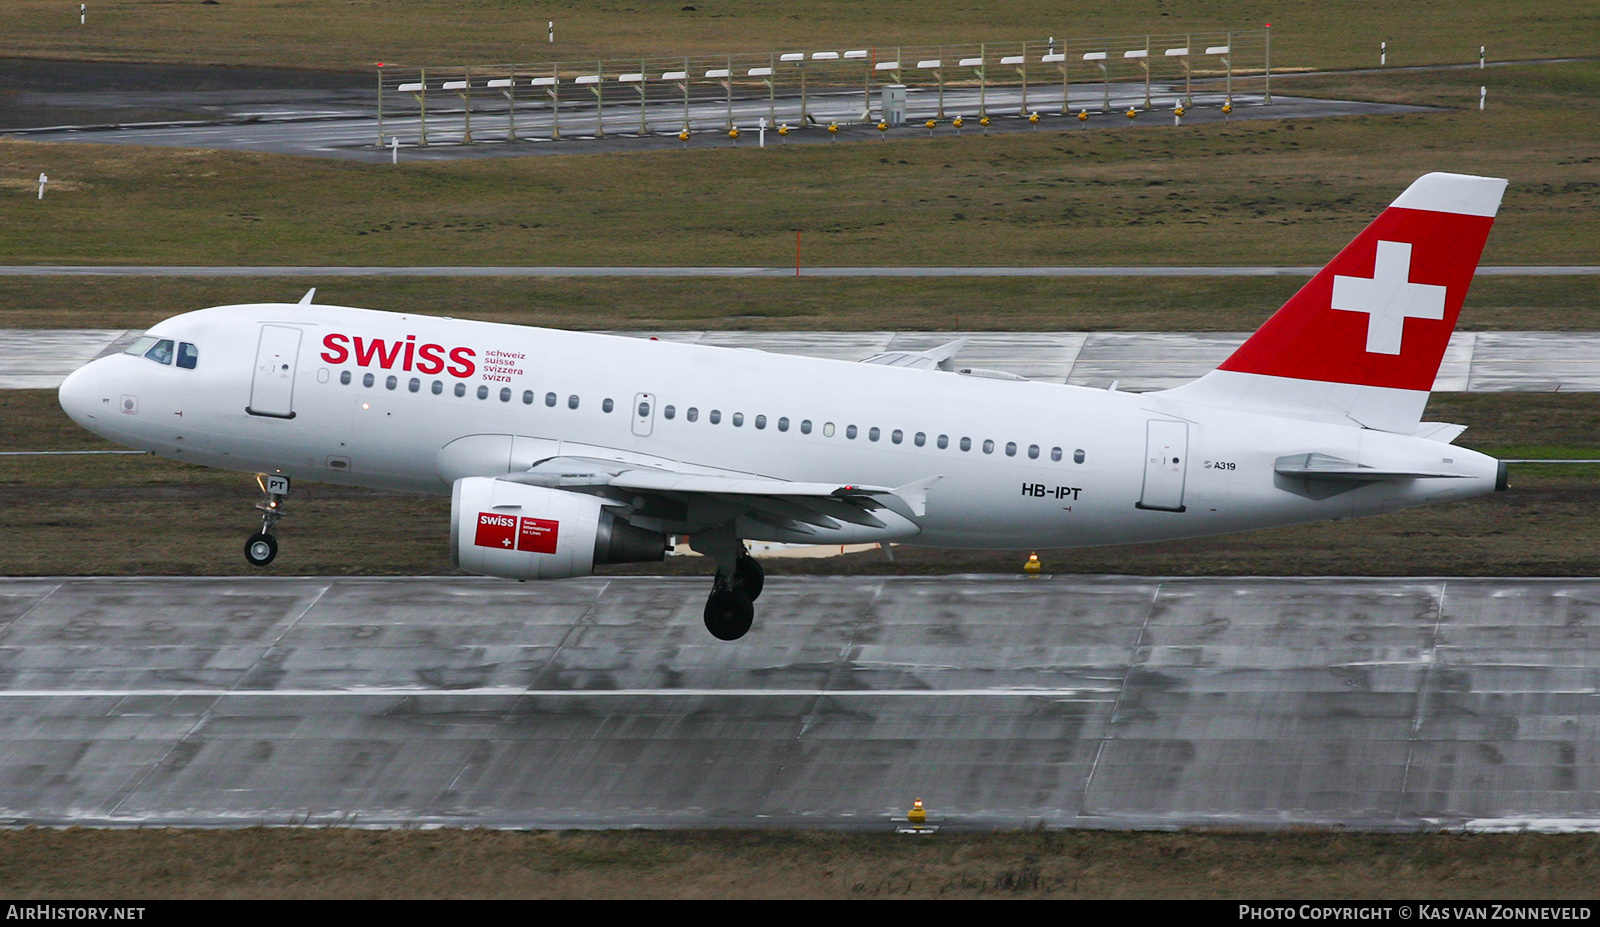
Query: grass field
(781, 304)
(1289, 192)
(291, 863)
(354, 34)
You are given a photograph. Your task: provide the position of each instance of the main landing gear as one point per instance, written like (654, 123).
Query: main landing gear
(731, 609)
(263, 545)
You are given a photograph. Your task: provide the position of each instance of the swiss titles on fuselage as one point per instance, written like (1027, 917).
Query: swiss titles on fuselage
(430, 358)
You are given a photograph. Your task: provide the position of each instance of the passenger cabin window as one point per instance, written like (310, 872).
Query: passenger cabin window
(188, 355)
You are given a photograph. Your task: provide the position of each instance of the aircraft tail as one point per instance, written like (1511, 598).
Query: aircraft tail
(1362, 341)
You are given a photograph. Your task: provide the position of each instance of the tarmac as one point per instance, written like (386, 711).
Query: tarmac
(1002, 702)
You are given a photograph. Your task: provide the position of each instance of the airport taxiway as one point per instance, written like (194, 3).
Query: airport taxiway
(1070, 701)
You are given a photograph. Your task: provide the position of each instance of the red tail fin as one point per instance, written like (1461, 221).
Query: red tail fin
(1381, 313)
(1377, 318)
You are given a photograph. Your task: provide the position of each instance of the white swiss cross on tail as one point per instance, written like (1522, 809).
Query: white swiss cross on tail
(1388, 297)
(1363, 340)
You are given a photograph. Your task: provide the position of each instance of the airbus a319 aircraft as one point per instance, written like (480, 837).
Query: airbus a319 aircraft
(564, 450)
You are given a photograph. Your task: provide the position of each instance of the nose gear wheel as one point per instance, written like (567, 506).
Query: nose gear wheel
(260, 549)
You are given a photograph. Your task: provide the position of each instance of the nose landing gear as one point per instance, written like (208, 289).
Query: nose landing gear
(263, 545)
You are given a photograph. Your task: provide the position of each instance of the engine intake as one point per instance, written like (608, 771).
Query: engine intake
(500, 528)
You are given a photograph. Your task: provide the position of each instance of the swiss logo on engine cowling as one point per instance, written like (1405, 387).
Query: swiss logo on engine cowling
(496, 531)
(510, 532)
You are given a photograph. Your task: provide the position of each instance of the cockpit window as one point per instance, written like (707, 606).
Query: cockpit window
(162, 352)
(140, 346)
(188, 355)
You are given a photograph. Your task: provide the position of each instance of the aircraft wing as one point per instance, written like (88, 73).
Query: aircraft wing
(764, 508)
(939, 358)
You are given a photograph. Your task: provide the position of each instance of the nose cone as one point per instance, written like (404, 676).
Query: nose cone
(80, 395)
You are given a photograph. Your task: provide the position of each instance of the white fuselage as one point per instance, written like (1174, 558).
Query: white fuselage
(1200, 470)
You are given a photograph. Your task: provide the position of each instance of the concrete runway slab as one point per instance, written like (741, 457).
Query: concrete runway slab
(1381, 704)
(41, 358)
(1473, 362)
(1540, 361)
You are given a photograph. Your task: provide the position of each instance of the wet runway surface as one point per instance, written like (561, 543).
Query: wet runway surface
(1473, 362)
(1001, 701)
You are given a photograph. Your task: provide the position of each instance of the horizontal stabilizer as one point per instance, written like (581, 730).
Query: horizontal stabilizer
(1328, 467)
(1441, 432)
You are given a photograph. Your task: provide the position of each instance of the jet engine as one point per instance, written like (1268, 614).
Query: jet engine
(515, 531)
